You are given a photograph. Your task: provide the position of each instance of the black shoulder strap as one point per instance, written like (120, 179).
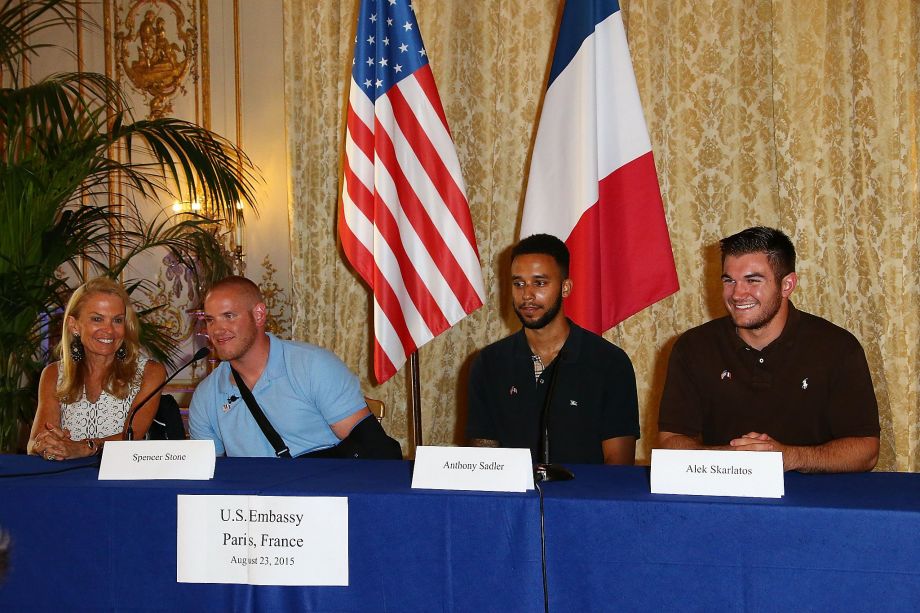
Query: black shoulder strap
(281, 450)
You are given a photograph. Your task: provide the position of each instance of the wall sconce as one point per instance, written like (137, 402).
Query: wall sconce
(181, 206)
(238, 238)
(234, 226)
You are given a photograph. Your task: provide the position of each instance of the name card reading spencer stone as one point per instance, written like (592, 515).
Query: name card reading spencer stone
(262, 540)
(486, 469)
(755, 474)
(140, 460)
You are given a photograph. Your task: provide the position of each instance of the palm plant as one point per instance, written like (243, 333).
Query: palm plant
(75, 168)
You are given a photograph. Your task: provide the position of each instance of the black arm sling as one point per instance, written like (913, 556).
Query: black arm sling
(367, 440)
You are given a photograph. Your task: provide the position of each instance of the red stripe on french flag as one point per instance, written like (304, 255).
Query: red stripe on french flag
(620, 249)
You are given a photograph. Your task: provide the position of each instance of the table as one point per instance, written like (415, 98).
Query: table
(83, 544)
(834, 542)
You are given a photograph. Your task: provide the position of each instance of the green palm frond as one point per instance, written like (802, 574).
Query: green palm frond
(77, 175)
(80, 117)
(21, 21)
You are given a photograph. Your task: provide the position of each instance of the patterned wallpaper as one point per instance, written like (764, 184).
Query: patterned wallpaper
(799, 115)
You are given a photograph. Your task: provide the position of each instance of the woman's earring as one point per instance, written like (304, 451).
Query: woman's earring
(76, 348)
(122, 353)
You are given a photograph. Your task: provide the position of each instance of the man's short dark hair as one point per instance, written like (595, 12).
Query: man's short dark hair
(778, 248)
(544, 244)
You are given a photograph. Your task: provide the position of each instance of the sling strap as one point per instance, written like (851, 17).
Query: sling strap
(277, 443)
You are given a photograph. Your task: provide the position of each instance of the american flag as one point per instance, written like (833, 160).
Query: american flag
(404, 220)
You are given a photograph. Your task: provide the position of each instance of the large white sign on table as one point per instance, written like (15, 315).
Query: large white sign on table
(262, 540)
(486, 469)
(138, 460)
(757, 474)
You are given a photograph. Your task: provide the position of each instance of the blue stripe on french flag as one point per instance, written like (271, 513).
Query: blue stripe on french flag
(576, 26)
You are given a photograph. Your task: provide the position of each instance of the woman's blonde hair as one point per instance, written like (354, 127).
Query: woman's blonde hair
(118, 381)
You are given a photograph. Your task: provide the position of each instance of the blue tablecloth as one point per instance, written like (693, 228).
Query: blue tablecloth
(834, 542)
(83, 544)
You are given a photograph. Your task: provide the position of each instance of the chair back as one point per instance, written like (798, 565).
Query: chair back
(167, 424)
(377, 407)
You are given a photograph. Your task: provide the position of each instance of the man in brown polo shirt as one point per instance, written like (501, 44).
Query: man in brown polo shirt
(769, 377)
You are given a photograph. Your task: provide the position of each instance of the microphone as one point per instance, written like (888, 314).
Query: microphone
(545, 470)
(129, 432)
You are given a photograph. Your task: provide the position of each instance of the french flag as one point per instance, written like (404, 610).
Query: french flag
(592, 175)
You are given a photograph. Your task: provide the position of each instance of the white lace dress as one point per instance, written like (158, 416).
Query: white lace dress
(104, 417)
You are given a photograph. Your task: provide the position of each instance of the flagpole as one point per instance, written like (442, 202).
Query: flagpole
(416, 399)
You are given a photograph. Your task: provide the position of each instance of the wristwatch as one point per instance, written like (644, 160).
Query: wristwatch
(92, 446)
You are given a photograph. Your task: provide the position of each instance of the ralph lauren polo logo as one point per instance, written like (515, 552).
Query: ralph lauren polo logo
(805, 383)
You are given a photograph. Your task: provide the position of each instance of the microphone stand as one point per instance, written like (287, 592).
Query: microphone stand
(545, 470)
(129, 431)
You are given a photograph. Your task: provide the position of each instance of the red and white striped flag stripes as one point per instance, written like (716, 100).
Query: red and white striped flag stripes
(404, 220)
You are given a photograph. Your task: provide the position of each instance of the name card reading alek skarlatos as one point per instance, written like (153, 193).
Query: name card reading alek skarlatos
(262, 540)
(141, 460)
(753, 474)
(485, 469)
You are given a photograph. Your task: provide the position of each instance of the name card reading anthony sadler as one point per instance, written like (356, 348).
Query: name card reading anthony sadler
(139, 460)
(262, 540)
(487, 469)
(757, 474)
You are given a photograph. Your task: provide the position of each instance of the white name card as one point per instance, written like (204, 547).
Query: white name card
(756, 474)
(139, 460)
(486, 469)
(262, 540)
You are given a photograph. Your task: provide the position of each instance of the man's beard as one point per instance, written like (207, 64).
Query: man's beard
(547, 317)
(769, 312)
(242, 346)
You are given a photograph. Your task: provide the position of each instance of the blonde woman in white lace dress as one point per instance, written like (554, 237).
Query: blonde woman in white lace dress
(84, 399)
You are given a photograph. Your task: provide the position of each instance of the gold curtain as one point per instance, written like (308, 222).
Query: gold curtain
(800, 115)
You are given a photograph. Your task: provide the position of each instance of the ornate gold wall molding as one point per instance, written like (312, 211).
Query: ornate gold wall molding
(277, 301)
(156, 49)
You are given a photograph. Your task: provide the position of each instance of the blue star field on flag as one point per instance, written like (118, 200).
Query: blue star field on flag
(388, 45)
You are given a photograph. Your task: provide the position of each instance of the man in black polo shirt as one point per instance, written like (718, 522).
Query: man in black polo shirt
(770, 377)
(593, 416)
